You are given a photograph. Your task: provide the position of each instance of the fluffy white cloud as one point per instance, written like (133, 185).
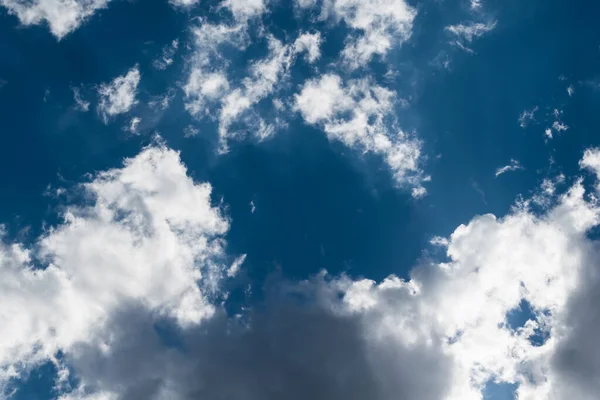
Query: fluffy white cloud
(207, 81)
(134, 255)
(148, 237)
(494, 266)
(381, 25)
(442, 334)
(209, 91)
(309, 43)
(360, 114)
(243, 10)
(62, 16)
(118, 96)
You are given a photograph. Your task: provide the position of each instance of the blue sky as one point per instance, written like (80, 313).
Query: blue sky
(265, 199)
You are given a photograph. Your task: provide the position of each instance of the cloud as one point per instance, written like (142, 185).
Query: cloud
(80, 103)
(243, 10)
(166, 58)
(284, 350)
(62, 16)
(383, 24)
(559, 126)
(527, 116)
(443, 333)
(119, 297)
(118, 96)
(309, 43)
(471, 30)
(513, 166)
(134, 125)
(146, 235)
(360, 115)
(184, 3)
(494, 266)
(465, 33)
(209, 92)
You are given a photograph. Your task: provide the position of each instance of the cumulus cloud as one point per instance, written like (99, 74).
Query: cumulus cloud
(118, 96)
(360, 115)
(495, 265)
(129, 276)
(444, 333)
(379, 25)
(514, 165)
(146, 236)
(62, 16)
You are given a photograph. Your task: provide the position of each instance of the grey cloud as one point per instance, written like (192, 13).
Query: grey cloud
(286, 351)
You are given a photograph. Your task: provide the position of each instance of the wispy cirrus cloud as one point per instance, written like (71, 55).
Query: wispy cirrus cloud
(514, 165)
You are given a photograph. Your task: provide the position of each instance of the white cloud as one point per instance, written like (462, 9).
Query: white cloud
(184, 3)
(527, 116)
(166, 58)
(243, 10)
(134, 125)
(360, 115)
(80, 103)
(236, 265)
(383, 24)
(465, 33)
(513, 166)
(571, 90)
(207, 81)
(463, 305)
(62, 16)
(148, 236)
(210, 93)
(118, 96)
(309, 43)
(559, 126)
(190, 131)
(439, 241)
(441, 334)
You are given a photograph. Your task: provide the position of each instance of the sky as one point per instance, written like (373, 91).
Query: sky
(292, 199)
